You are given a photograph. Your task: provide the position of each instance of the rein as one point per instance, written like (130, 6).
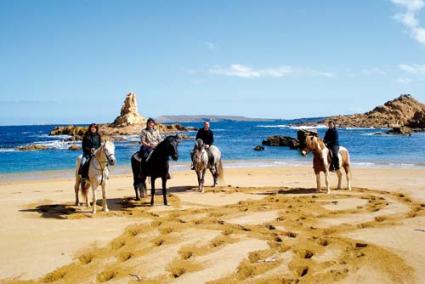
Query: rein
(102, 162)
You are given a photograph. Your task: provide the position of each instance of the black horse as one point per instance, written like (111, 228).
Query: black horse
(156, 167)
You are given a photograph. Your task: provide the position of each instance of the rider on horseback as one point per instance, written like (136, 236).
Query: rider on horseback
(91, 141)
(149, 138)
(207, 136)
(332, 142)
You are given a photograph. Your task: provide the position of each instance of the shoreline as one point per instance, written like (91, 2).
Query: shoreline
(60, 174)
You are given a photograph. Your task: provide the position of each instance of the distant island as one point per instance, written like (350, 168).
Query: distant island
(206, 117)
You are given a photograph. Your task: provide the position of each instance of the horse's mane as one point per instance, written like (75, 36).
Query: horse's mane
(161, 147)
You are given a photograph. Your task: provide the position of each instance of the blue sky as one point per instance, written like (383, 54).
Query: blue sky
(74, 61)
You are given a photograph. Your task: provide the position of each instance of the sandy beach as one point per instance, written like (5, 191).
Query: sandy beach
(265, 225)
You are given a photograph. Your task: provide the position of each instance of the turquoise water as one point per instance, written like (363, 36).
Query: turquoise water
(235, 139)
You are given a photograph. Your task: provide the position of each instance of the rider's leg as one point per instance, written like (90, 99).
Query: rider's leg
(82, 163)
(335, 159)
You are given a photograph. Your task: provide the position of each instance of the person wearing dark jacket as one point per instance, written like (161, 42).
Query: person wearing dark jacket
(332, 142)
(91, 141)
(207, 136)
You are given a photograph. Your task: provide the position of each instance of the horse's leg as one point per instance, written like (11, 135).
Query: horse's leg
(152, 190)
(93, 188)
(319, 186)
(76, 189)
(164, 190)
(144, 190)
(136, 190)
(104, 204)
(348, 176)
(328, 189)
(214, 174)
(339, 175)
(198, 174)
(203, 179)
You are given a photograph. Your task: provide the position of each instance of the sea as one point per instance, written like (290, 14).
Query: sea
(369, 147)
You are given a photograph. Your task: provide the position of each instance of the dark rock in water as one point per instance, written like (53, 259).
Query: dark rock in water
(400, 130)
(74, 147)
(294, 144)
(259, 148)
(284, 141)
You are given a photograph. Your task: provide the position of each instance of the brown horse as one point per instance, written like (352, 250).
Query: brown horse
(310, 142)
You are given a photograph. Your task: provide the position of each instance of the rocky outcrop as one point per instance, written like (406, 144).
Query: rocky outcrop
(76, 132)
(32, 147)
(74, 147)
(404, 111)
(400, 130)
(129, 122)
(259, 148)
(285, 141)
(129, 114)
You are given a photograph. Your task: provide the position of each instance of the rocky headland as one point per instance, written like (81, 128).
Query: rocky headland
(403, 115)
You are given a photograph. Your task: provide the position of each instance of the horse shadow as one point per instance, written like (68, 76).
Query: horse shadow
(64, 211)
(55, 211)
(179, 189)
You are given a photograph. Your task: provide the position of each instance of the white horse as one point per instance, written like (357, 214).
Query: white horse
(201, 163)
(98, 174)
(310, 142)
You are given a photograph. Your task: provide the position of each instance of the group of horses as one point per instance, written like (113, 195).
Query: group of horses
(203, 158)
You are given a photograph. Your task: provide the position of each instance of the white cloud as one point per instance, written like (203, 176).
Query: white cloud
(409, 18)
(414, 69)
(210, 45)
(243, 71)
(403, 80)
(373, 71)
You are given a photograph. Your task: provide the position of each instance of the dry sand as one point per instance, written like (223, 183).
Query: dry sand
(265, 225)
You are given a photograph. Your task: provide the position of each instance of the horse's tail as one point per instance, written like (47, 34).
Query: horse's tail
(220, 171)
(135, 167)
(85, 185)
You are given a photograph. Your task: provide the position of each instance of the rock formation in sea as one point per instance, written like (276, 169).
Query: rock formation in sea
(129, 114)
(128, 122)
(404, 111)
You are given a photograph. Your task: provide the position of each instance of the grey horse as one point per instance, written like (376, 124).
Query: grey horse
(202, 161)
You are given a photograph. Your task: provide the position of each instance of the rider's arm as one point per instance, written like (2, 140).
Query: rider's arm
(85, 145)
(143, 140)
(198, 134)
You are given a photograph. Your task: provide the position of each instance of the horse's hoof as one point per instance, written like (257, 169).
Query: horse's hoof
(93, 212)
(138, 198)
(105, 210)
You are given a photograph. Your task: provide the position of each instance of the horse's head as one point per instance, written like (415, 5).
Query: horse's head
(109, 150)
(199, 144)
(304, 138)
(171, 146)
